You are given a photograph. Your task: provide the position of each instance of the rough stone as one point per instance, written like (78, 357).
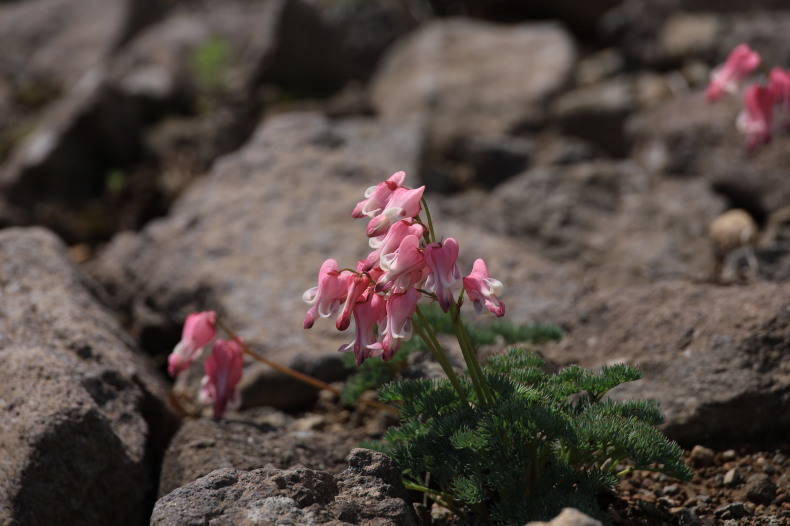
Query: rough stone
(202, 446)
(297, 496)
(719, 370)
(459, 76)
(760, 489)
(84, 414)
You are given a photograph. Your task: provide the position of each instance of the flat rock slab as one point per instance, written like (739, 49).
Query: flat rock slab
(716, 358)
(83, 414)
(248, 240)
(368, 492)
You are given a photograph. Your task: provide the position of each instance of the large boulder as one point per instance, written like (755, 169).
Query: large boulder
(716, 358)
(84, 417)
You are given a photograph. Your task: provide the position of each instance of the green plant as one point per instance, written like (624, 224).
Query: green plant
(545, 442)
(210, 62)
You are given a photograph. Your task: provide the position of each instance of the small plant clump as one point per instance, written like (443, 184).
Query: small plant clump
(505, 443)
(548, 441)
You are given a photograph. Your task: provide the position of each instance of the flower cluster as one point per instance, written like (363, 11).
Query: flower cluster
(223, 367)
(406, 263)
(759, 101)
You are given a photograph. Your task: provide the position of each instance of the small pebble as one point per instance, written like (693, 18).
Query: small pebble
(729, 455)
(672, 489)
(736, 510)
(760, 489)
(733, 477)
(701, 456)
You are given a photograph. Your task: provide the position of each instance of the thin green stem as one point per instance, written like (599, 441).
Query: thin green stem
(424, 331)
(428, 218)
(482, 389)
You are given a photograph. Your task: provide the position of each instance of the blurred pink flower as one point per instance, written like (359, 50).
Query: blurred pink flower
(779, 84)
(755, 118)
(325, 299)
(199, 329)
(367, 313)
(441, 259)
(727, 77)
(223, 373)
(484, 290)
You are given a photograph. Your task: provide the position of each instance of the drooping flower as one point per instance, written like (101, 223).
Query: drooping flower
(356, 286)
(727, 77)
(396, 327)
(388, 243)
(376, 197)
(367, 314)
(441, 259)
(404, 203)
(325, 299)
(403, 268)
(756, 117)
(199, 329)
(223, 373)
(484, 290)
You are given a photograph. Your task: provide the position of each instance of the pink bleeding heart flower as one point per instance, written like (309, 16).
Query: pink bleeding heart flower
(482, 289)
(357, 284)
(727, 77)
(223, 373)
(441, 259)
(367, 314)
(403, 268)
(397, 326)
(199, 329)
(779, 84)
(404, 203)
(755, 119)
(388, 243)
(376, 197)
(325, 299)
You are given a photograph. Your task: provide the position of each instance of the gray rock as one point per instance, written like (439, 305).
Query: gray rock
(719, 370)
(202, 446)
(602, 216)
(84, 414)
(364, 493)
(701, 456)
(598, 113)
(53, 43)
(458, 74)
